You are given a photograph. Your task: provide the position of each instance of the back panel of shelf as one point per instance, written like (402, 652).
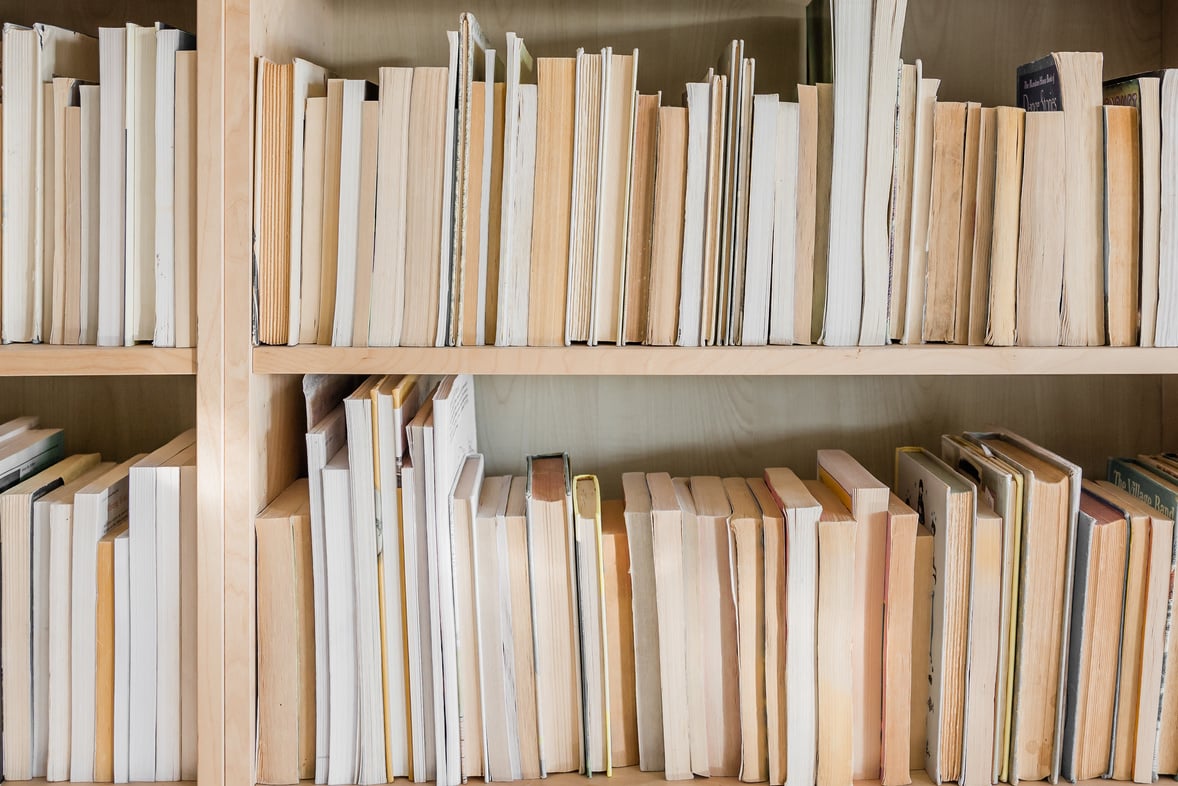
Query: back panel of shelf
(87, 17)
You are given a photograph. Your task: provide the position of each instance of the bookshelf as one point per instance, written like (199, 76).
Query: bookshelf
(616, 409)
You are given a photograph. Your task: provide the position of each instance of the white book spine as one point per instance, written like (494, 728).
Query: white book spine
(759, 246)
(167, 603)
(112, 185)
(349, 213)
(691, 271)
(143, 637)
(785, 200)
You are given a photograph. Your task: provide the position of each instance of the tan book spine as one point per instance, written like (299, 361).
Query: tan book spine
(330, 216)
(1042, 236)
(836, 547)
(666, 245)
(278, 638)
(273, 219)
(641, 221)
(104, 677)
(922, 623)
(185, 204)
(67, 300)
(949, 120)
(895, 749)
(1004, 249)
(472, 223)
(314, 138)
(552, 208)
(979, 287)
(807, 207)
(969, 220)
(491, 316)
(1122, 206)
(365, 247)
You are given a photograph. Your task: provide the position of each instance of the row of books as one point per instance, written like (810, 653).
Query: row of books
(466, 205)
(99, 186)
(989, 617)
(99, 618)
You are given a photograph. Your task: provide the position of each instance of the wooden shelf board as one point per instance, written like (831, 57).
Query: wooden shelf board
(46, 360)
(632, 776)
(925, 360)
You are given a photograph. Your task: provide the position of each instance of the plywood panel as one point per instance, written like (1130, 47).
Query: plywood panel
(1169, 33)
(611, 425)
(279, 423)
(115, 416)
(974, 47)
(87, 16)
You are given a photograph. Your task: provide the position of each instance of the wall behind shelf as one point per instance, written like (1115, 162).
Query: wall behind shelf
(86, 16)
(974, 47)
(718, 425)
(115, 416)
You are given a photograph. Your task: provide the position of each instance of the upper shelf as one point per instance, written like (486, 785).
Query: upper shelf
(45, 360)
(926, 360)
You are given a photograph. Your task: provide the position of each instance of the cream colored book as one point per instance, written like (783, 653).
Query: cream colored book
(330, 216)
(1122, 224)
(272, 191)
(311, 274)
(1042, 237)
(354, 225)
(644, 618)
(968, 227)
(922, 184)
(366, 225)
(747, 551)
(895, 746)
(392, 190)
(949, 128)
(775, 663)
(900, 230)
(641, 219)
(593, 628)
(62, 94)
(985, 615)
(139, 287)
(983, 237)
(309, 81)
(666, 243)
(1004, 247)
(805, 251)
(618, 102)
(185, 204)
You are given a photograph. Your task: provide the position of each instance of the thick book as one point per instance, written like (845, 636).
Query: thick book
(899, 584)
(945, 215)
(1042, 232)
(701, 721)
(272, 191)
(1122, 224)
(618, 591)
(775, 664)
(666, 244)
(922, 190)
(591, 610)
(286, 639)
(636, 294)
(747, 553)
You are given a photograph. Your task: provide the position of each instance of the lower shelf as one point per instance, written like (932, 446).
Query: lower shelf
(632, 776)
(926, 359)
(55, 360)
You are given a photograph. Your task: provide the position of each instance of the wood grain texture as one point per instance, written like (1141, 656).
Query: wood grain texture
(115, 416)
(86, 16)
(895, 360)
(974, 48)
(737, 426)
(45, 360)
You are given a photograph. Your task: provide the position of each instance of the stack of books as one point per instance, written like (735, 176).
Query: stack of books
(988, 615)
(519, 201)
(99, 186)
(99, 615)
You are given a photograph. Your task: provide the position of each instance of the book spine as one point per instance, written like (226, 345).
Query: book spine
(1141, 483)
(1126, 93)
(1038, 86)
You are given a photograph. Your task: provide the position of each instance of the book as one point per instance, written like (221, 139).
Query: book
(690, 329)
(112, 185)
(666, 244)
(775, 663)
(519, 161)
(747, 552)
(945, 214)
(392, 189)
(314, 170)
(670, 577)
(1005, 246)
(1097, 605)
(801, 511)
(582, 252)
(139, 129)
(99, 507)
(82, 325)
(120, 735)
(272, 193)
(867, 499)
(621, 656)
(342, 680)
(969, 220)
(169, 114)
(837, 529)
(883, 97)
(788, 281)
(355, 203)
(696, 694)
(552, 206)
(52, 593)
(60, 202)
(1071, 82)
(365, 231)
(922, 623)
(464, 503)
(1122, 224)
(822, 219)
(1042, 235)
(32, 57)
(640, 222)
(945, 502)
(286, 638)
(985, 612)
(309, 81)
(424, 217)
(900, 223)
(1144, 92)
(592, 627)
(1003, 485)
(762, 191)
(149, 492)
(922, 190)
(808, 208)
(554, 600)
(983, 235)
(644, 616)
(899, 583)
(496, 643)
(618, 130)
(514, 520)
(844, 293)
(1051, 488)
(19, 539)
(716, 610)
